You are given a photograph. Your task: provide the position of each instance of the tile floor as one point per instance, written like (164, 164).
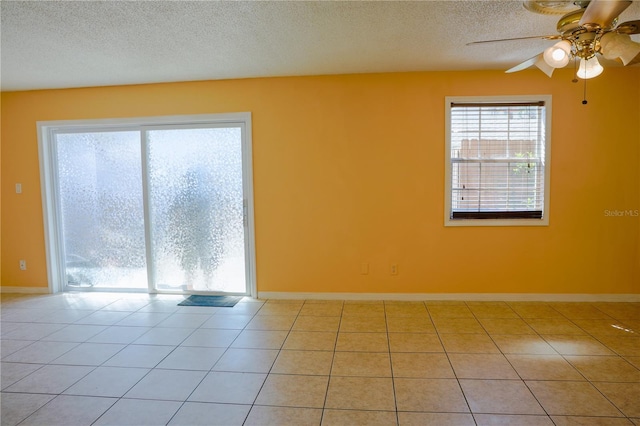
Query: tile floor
(117, 359)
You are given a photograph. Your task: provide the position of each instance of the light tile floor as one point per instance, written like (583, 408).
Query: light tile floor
(123, 359)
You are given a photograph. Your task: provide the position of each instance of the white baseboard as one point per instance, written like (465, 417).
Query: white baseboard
(497, 297)
(471, 297)
(24, 290)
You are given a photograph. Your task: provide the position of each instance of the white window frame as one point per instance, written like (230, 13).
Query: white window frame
(48, 179)
(544, 221)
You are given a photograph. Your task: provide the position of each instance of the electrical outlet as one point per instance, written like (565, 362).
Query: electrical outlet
(394, 269)
(23, 265)
(364, 268)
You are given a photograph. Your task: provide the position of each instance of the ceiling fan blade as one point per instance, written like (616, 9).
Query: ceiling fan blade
(635, 60)
(603, 12)
(545, 37)
(523, 66)
(538, 61)
(629, 27)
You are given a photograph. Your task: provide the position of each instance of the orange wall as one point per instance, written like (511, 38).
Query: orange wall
(637, 276)
(350, 169)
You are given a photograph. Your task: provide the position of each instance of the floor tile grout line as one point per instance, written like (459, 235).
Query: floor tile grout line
(218, 360)
(253, 404)
(511, 364)
(333, 357)
(152, 368)
(393, 379)
(602, 343)
(214, 364)
(176, 346)
(455, 375)
(68, 387)
(563, 356)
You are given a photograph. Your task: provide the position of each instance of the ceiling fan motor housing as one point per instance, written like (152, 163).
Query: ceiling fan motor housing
(587, 44)
(570, 22)
(585, 38)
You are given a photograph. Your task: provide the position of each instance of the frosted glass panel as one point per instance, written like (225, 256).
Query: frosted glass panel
(196, 209)
(100, 193)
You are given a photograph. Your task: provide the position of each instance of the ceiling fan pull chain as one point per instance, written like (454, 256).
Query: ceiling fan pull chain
(575, 80)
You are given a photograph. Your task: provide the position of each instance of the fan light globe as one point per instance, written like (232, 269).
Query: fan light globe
(589, 68)
(621, 46)
(557, 55)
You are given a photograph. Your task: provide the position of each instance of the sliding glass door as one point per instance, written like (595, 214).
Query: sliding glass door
(196, 209)
(101, 209)
(159, 208)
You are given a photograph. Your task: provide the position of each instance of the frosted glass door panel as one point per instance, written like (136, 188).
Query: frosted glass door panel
(102, 215)
(196, 209)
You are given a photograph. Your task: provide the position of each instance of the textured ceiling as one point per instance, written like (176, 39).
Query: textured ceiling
(60, 44)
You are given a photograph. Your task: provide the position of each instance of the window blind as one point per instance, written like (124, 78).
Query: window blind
(497, 160)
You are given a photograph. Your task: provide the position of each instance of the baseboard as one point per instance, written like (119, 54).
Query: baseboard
(471, 297)
(24, 290)
(488, 297)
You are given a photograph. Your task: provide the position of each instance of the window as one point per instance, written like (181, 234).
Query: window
(497, 158)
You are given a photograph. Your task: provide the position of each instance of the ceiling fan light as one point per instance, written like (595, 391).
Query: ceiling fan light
(614, 46)
(589, 68)
(558, 55)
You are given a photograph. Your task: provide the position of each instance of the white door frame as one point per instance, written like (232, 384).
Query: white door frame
(56, 275)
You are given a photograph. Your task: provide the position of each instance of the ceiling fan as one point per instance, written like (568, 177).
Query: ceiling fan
(583, 33)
